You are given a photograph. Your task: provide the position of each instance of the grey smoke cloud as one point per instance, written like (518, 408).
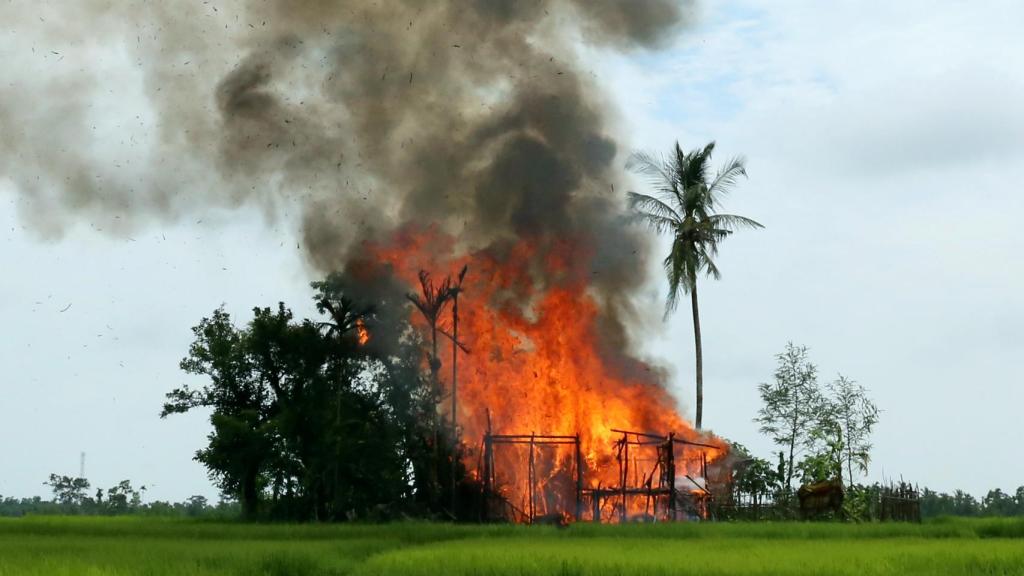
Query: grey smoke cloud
(365, 114)
(362, 117)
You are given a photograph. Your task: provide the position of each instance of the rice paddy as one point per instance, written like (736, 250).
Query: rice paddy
(158, 547)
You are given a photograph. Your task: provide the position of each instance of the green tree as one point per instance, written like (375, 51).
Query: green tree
(791, 407)
(965, 504)
(241, 404)
(122, 498)
(755, 477)
(998, 503)
(826, 447)
(683, 203)
(292, 359)
(852, 416)
(195, 505)
(68, 491)
(388, 386)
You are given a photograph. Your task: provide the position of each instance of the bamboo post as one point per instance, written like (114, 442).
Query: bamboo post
(579, 480)
(488, 479)
(647, 503)
(530, 482)
(707, 484)
(625, 473)
(670, 470)
(480, 469)
(488, 473)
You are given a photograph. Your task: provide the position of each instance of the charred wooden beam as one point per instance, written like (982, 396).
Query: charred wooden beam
(641, 434)
(532, 436)
(663, 438)
(617, 491)
(539, 442)
(689, 443)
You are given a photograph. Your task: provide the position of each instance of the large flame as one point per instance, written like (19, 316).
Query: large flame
(537, 364)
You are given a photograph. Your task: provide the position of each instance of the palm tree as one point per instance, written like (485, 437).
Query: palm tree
(683, 203)
(431, 304)
(345, 316)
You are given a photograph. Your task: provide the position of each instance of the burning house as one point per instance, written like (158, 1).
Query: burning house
(564, 421)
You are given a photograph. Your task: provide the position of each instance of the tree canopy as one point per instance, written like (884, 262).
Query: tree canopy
(322, 419)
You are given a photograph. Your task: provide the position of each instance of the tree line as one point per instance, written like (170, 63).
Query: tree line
(960, 503)
(73, 496)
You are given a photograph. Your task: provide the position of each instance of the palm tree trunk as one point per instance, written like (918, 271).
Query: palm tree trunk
(700, 359)
(455, 380)
(435, 366)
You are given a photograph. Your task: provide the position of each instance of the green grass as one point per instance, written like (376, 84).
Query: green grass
(123, 546)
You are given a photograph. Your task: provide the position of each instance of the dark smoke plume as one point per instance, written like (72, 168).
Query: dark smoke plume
(360, 115)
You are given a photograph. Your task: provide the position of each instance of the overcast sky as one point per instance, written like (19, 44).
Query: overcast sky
(884, 143)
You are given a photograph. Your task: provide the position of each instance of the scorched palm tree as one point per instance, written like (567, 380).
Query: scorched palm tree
(683, 203)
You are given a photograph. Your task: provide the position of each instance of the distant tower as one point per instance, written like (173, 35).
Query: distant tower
(81, 466)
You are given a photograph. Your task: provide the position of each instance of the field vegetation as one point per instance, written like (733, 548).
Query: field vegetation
(158, 546)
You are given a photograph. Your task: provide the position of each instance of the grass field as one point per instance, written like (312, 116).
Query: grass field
(113, 546)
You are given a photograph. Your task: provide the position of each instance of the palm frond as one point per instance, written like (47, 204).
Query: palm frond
(344, 315)
(662, 176)
(433, 299)
(672, 274)
(650, 165)
(681, 268)
(726, 178)
(659, 224)
(693, 167)
(650, 204)
(732, 222)
(709, 265)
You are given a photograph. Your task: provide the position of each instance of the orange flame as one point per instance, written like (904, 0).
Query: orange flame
(362, 334)
(538, 364)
